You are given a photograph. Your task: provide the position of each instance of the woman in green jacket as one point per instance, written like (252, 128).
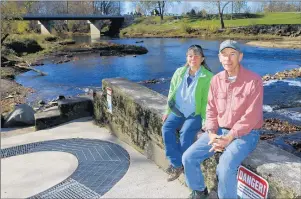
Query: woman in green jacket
(186, 108)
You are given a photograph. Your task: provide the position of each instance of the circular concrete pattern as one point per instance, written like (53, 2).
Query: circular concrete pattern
(33, 173)
(101, 165)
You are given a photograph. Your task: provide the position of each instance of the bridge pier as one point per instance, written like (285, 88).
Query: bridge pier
(45, 27)
(94, 30)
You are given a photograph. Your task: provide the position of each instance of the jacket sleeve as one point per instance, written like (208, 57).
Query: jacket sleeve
(211, 111)
(171, 90)
(204, 102)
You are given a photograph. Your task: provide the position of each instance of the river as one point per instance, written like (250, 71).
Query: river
(282, 99)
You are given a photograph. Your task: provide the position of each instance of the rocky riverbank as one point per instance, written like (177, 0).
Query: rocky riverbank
(292, 43)
(16, 60)
(294, 73)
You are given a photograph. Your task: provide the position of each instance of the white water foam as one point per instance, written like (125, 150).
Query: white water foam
(269, 82)
(293, 82)
(290, 82)
(294, 115)
(267, 108)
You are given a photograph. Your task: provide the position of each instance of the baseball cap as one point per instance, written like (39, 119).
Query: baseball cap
(229, 44)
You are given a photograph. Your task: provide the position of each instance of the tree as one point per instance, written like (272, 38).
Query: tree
(161, 6)
(273, 6)
(106, 7)
(9, 12)
(238, 6)
(192, 12)
(221, 6)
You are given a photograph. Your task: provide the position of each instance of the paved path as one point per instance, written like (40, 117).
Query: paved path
(105, 166)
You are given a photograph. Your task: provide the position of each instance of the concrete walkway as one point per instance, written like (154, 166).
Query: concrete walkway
(138, 177)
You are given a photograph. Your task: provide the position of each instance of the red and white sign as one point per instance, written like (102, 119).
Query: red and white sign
(109, 100)
(251, 185)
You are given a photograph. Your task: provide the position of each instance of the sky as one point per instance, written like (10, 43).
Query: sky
(183, 7)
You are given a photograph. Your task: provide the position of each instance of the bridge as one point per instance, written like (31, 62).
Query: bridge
(45, 22)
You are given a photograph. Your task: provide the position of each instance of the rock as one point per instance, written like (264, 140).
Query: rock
(37, 63)
(69, 55)
(22, 115)
(51, 38)
(60, 97)
(67, 42)
(10, 96)
(41, 102)
(63, 61)
(2, 120)
(53, 103)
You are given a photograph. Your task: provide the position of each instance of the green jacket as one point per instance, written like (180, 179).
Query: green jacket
(201, 94)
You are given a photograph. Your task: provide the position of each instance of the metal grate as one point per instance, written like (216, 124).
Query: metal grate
(101, 165)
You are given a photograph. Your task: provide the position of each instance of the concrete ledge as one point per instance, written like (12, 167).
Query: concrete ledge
(76, 107)
(67, 110)
(48, 118)
(136, 119)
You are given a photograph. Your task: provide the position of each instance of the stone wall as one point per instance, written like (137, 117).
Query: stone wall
(136, 119)
(281, 30)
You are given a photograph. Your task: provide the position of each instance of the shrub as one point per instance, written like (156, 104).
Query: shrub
(26, 45)
(187, 28)
(51, 38)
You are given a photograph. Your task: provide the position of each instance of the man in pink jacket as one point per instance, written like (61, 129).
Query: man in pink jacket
(234, 113)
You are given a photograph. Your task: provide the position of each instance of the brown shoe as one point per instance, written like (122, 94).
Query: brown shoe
(174, 173)
(199, 194)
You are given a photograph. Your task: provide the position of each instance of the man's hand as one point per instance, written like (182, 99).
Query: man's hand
(212, 137)
(164, 117)
(220, 143)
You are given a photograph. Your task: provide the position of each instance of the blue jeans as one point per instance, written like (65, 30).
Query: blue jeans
(229, 162)
(174, 149)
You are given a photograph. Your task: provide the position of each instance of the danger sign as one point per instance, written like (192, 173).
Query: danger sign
(109, 99)
(251, 185)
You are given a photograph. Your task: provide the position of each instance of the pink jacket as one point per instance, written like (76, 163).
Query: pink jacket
(237, 105)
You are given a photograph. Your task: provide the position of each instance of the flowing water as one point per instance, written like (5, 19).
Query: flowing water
(164, 56)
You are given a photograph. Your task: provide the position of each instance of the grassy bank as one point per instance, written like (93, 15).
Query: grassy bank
(48, 44)
(28, 48)
(171, 26)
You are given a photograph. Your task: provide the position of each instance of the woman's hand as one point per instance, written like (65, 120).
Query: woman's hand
(164, 117)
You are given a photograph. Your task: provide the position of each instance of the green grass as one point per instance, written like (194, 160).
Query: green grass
(268, 19)
(170, 26)
(46, 45)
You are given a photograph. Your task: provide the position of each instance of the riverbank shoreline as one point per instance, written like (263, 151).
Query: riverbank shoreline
(269, 41)
(60, 51)
(290, 43)
(69, 53)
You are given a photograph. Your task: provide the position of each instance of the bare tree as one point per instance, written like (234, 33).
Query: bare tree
(161, 6)
(277, 6)
(106, 7)
(9, 11)
(221, 6)
(145, 7)
(238, 6)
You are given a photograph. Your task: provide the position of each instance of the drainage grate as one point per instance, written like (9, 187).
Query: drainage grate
(18, 150)
(101, 165)
(68, 189)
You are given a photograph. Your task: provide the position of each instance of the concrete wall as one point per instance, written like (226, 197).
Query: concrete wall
(136, 119)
